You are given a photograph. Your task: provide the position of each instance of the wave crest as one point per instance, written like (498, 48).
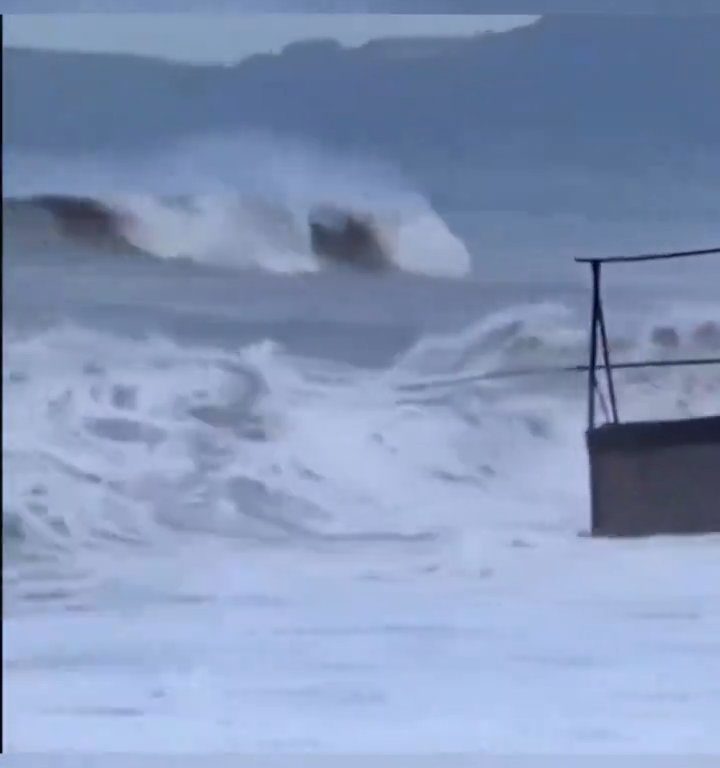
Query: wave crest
(233, 231)
(248, 202)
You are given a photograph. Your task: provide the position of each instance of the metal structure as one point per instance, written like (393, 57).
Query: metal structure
(648, 477)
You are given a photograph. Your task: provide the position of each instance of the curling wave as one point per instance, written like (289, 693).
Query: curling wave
(241, 232)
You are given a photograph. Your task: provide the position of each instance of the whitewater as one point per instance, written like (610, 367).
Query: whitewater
(259, 501)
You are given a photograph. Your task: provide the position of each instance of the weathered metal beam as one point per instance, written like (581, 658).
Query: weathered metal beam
(646, 256)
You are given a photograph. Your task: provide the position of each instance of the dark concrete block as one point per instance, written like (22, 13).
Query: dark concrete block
(660, 477)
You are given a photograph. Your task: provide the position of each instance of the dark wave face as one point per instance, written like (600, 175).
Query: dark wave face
(80, 216)
(81, 220)
(344, 238)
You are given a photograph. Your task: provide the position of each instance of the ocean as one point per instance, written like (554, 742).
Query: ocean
(257, 499)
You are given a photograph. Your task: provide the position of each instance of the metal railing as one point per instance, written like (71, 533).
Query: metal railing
(599, 337)
(598, 332)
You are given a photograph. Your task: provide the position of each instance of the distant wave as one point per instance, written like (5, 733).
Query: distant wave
(51, 218)
(236, 231)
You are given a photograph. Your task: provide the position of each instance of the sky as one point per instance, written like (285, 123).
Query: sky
(225, 38)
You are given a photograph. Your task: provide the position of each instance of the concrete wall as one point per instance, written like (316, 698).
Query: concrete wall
(655, 477)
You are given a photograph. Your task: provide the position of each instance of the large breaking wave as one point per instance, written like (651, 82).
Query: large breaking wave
(255, 204)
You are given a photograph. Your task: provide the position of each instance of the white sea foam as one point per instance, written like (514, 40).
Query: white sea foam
(149, 436)
(254, 551)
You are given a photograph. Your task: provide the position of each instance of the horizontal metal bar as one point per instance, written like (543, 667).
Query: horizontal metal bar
(661, 363)
(517, 372)
(647, 256)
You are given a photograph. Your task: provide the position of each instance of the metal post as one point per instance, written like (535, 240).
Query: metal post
(606, 356)
(592, 383)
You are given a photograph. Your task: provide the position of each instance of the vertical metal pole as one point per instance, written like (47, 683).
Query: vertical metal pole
(592, 382)
(606, 356)
(603, 404)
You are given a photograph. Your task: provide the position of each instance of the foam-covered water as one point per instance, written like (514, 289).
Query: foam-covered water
(259, 505)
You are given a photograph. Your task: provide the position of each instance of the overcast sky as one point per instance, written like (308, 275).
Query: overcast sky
(228, 37)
